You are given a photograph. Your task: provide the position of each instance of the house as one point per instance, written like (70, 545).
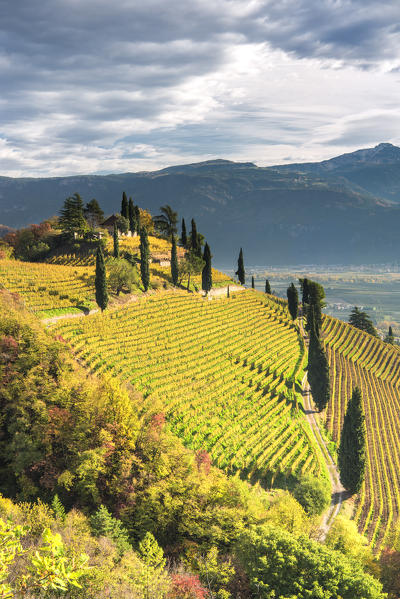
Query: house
(164, 258)
(109, 225)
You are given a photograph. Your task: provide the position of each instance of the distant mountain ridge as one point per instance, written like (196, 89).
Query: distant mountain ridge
(339, 211)
(373, 170)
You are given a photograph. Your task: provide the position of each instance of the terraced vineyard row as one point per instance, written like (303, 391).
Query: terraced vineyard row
(357, 358)
(219, 369)
(46, 286)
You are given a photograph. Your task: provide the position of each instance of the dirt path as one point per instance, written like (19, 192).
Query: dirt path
(339, 494)
(222, 291)
(53, 319)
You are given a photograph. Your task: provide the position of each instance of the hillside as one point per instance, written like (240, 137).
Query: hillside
(356, 358)
(372, 170)
(280, 217)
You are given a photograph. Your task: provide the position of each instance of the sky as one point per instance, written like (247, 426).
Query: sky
(107, 86)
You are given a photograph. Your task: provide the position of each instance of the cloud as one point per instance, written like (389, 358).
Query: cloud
(101, 86)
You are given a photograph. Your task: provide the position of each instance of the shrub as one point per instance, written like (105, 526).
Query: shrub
(186, 586)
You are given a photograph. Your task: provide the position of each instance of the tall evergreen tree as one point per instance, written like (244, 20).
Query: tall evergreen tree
(252, 282)
(362, 321)
(144, 258)
(318, 369)
(174, 263)
(71, 218)
(315, 298)
(267, 286)
(206, 274)
(389, 337)
(293, 301)
(137, 218)
(184, 240)
(101, 281)
(124, 206)
(194, 240)
(132, 217)
(304, 290)
(93, 213)
(351, 458)
(116, 242)
(241, 275)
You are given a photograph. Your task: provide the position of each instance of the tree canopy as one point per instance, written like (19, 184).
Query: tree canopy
(362, 321)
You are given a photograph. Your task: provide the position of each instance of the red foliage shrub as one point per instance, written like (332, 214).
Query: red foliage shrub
(8, 349)
(157, 422)
(186, 586)
(203, 461)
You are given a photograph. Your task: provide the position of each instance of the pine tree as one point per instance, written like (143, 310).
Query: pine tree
(144, 258)
(103, 524)
(318, 369)
(241, 275)
(58, 508)
(362, 321)
(267, 286)
(351, 458)
(293, 301)
(124, 206)
(206, 274)
(71, 218)
(252, 282)
(116, 242)
(184, 234)
(174, 263)
(94, 215)
(132, 217)
(101, 281)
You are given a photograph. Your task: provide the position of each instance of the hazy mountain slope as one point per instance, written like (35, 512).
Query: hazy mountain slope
(374, 170)
(279, 217)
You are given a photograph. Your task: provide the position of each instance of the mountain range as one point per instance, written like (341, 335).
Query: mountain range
(339, 211)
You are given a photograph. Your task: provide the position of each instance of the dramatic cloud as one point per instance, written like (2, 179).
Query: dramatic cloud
(99, 86)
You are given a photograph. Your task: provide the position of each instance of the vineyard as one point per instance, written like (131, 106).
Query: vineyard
(223, 372)
(48, 287)
(356, 358)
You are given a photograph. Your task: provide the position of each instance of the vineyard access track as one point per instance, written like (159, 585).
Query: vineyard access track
(339, 494)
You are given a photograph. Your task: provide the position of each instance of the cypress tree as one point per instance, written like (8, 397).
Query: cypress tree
(318, 369)
(184, 234)
(252, 282)
(304, 289)
(293, 301)
(267, 286)
(132, 217)
(174, 263)
(227, 292)
(351, 458)
(101, 281)
(206, 274)
(241, 275)
(124, 206)
(144, 258)
(390, 337)
(194, 240)
(116, 242)
(137, 218)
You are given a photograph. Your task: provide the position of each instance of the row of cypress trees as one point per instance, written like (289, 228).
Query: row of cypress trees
(131, 213)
